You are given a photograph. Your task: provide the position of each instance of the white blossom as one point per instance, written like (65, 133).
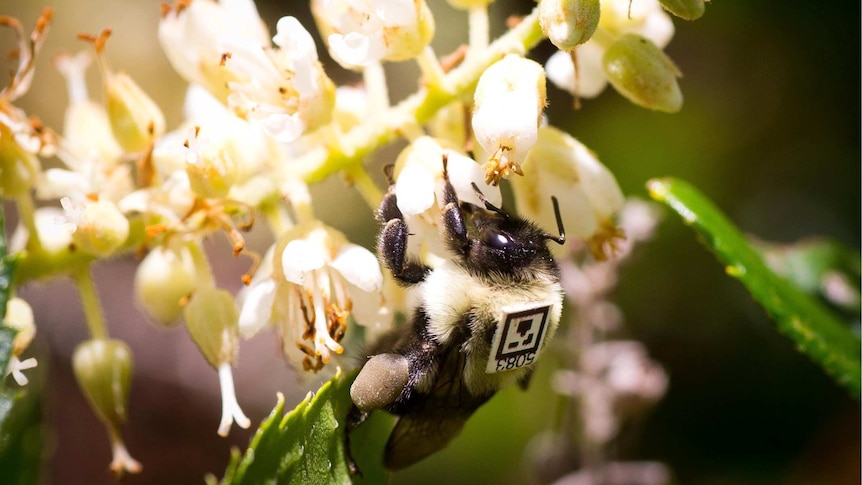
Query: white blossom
(509, 101)
(308, 285)
(587, 191)
(197, 35)
(284, 89)
(364, 32)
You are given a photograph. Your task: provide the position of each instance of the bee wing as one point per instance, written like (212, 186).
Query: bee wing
(433, 420)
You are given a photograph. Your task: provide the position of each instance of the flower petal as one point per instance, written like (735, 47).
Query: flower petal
(256, 308)
(301, 256)
(359, 267)
(463, 172)
(414, 189)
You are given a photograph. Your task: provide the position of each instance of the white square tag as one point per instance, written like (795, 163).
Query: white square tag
(519, 336)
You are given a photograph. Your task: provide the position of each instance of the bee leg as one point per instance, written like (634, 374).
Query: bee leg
(355, 417)
(392, 243)
(453, 218)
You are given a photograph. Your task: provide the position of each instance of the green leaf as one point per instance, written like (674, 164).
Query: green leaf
(7, 270)
(816, 331)
(306, 445)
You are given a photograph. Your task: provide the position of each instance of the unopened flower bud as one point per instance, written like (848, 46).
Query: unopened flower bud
(103, 369)
(18, 166)
(165, 277)
(19, 316)
(641, 72)
(212, 321)
(685, 9)
(509, 101)
(100, 228)
(135, 119)
(569, 23)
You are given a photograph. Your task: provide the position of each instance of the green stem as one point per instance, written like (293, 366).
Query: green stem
(365, 186)
(277, 218)
(420, 107)
(432, 71)
(90, 303)
(27, 214)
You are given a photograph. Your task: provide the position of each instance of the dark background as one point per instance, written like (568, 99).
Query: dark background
(769, 130)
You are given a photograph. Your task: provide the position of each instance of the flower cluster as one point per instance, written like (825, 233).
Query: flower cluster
(262, 120)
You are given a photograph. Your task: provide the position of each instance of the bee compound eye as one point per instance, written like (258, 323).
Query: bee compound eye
(497, 239)
(380, 381)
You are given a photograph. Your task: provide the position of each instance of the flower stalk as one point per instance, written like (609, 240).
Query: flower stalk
(90, 303)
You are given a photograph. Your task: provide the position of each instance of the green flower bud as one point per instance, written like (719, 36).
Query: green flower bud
(101, 228)
(103, 369)
(569, 23)
(135, 119)
(212, 321)
(641, 72)
(165, 277)
(18, 167)
(685, 9)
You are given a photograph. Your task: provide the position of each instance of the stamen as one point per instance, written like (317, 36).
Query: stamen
(230, 410)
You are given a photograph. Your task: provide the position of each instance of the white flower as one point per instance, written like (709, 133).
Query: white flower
(587, 191)
(308, 285)
(642, 17)
(86, 129)
(284, 90)
(89, 149)
(98, 227)
(169, 200)
(364, 32)
(196, 35)
(210, 167)
(509, 101)
(226, 135)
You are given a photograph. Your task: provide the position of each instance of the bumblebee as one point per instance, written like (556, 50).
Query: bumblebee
(482, 319)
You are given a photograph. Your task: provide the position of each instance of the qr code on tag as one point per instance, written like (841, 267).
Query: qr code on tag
(518, 338)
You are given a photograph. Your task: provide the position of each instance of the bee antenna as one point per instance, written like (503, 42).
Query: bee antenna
(561, 239)
(488, 205)
(389, 171)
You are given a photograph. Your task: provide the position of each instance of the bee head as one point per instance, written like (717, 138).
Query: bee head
(509, 244)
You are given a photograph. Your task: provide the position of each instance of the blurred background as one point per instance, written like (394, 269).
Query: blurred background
(770, 130)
